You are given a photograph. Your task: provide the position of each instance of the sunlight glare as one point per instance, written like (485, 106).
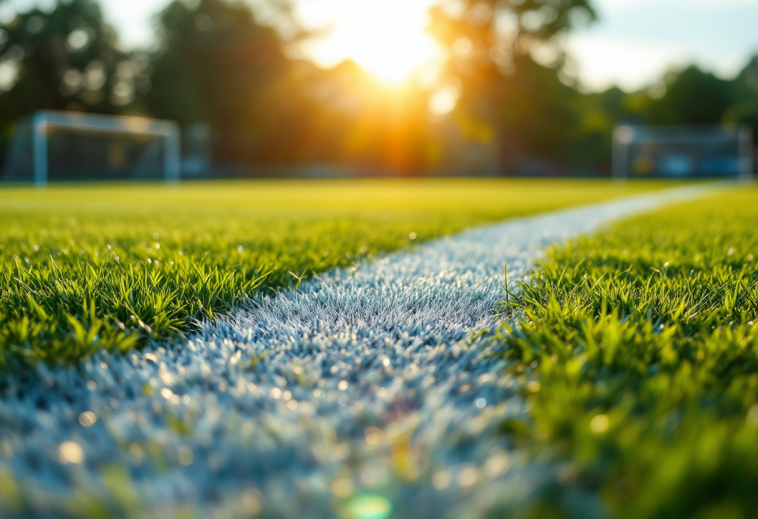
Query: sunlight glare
(386, 38)
(444, 100)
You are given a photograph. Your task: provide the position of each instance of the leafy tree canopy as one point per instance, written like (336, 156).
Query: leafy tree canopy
(692, 96)
(66, 58)
(219, 56)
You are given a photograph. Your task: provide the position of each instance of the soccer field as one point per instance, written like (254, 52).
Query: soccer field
(84, 268)
(621, 381)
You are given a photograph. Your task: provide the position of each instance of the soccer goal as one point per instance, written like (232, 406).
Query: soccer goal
(682, 151)
(51, 146)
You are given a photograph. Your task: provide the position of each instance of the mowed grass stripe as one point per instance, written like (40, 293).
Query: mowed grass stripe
(84, 268)
(638, 349)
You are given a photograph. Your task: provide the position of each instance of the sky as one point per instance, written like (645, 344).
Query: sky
(631, 45)
(635, 41)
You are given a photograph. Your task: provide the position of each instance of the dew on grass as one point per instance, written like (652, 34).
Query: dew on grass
(374, 435)
(468, 477)
(367, 506)
(497, 465)
(87, 418)
(5, 448)
(251, 502)
(70, 452)
(481, 403)
(136, 453)
(342, 487)
(185, 456)
(599, 424)
(567, 474)
(441, 479)
(752, 415)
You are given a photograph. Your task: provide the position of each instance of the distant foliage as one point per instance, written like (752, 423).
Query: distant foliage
(520, 108)
(66, 58)
(217, 65)
(508, 63)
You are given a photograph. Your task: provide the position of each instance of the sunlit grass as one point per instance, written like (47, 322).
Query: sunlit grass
(638, 351)
(112, 266)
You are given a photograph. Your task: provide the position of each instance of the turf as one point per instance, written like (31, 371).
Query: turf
(638, 352)
(84, 268)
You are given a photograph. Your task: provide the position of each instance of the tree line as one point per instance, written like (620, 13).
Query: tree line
(216, 63)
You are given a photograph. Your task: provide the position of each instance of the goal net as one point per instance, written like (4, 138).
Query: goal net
(682, 151)
(52, 146)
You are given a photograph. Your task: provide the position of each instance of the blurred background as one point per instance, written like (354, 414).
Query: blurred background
(311, 88)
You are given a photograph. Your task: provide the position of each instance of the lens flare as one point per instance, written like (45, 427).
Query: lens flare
(367, 506)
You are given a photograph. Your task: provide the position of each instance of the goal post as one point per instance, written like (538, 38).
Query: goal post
(705, 151)
(747, 160)
(68, 145)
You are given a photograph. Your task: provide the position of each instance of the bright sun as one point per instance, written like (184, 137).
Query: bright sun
(385, 37)
(390, 51)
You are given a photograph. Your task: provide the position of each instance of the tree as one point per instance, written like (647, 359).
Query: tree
(494, 48)
(218, 65)
(692, 96)
(63, 59)
(745, 109)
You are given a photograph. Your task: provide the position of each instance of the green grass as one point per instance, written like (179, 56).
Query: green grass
(638, 351)
(84, 268)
